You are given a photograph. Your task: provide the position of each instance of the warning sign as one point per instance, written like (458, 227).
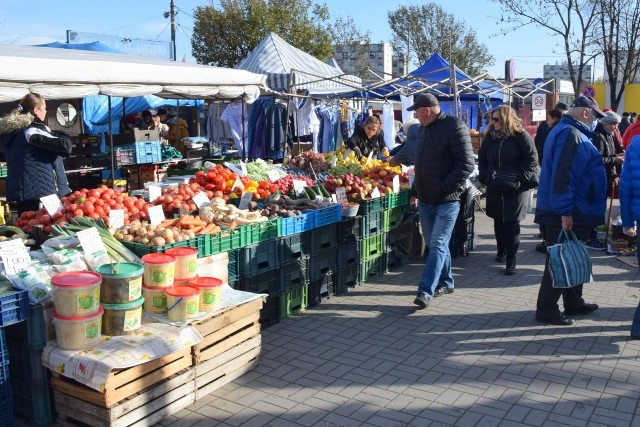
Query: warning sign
(589, 91)
(538, 101)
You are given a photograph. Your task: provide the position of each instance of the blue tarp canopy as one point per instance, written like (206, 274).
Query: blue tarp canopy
(93, 46)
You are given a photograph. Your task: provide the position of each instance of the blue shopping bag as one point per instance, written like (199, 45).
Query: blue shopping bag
(569, 261)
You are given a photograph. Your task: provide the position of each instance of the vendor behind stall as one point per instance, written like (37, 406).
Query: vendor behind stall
(367, 138)
(178, 129)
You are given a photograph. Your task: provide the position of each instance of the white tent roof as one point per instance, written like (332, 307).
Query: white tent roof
(278, 60)
(64, 74)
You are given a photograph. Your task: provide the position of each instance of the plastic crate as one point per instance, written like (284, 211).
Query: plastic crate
(320, 289)
(270, 312)
(260, 231)
(370, 268)
(368, 206)
(328, 215)
(348, 229)
(3, 171)
(371, 247)
(321, 263)
(200, 243)
(346, 278)
(233, 266)
(389, 241)
(28, 363)
(296, 224)
(322, 238)
(6, 404)
(224, 241)
(294, 274)
(294, 301)
(348, 254)
(293, 247)
(33, 330)
(4, 357)
(33, 402)
(265, 283)
(394, 200)
(14, 308)
(137, 153)
(371, 224)
(391, 218)
(391, 261)
(258, 259)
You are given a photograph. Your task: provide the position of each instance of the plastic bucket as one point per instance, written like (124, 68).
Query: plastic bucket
(155, 300)
(78, 332)
(121, 286)
(182, 302)
(122, 319)
(159, 270)
(210, 293)
(186, 262)
(76, 293)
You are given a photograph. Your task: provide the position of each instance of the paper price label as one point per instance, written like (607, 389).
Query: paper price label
(412, 175)
(375, 193)
(243, 168)
(52, 204)
(341, 194)
(334, 199)
(245, 200)
(235, 169)
(298, 186)
(154, 193)
(237, 184)
(14, 245)
(396, 184)
(91, 241)
(200, 199)
(116, 218)
(369, 157)
(15, 262)
(273, 175)
(156, 215)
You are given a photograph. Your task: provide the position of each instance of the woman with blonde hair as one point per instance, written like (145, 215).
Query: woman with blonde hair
(508, 167)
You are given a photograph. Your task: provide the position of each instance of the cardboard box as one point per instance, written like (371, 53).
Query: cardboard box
(136, 135)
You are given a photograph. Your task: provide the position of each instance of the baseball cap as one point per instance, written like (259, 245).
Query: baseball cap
(423, 100)
(588, 102)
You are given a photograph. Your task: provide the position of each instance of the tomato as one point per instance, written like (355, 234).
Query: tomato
(214, 194)
(199, 174)
(99, 202)
(192, 206)
(273, 188)
(112, 203)
(211, 175)
(88, 208)
(106, 196)
(140, 203)
(45, 219)
(94, 193)
(78, 212)
(46, 229)
(168, 199)
(100, 211)
(94, 216)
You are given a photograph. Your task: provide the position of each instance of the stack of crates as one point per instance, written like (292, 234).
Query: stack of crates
(347, 274)
(322, 244)
(371, 239)
(6, 408)
(32, 393)
(294, 251)
(392, 218)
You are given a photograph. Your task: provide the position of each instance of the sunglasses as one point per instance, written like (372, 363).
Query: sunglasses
(495, 119)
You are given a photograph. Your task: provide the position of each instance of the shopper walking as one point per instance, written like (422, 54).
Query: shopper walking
(508, 166)
(571, 196)
(444, 160)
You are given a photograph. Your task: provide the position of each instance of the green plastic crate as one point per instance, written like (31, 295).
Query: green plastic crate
(294, 301)
(371, 224)
(226, 240)
(199, 243)
(394, 200)
(260, 231)
(370, 268)
(371, 247)
(391, 218)
(368, 206)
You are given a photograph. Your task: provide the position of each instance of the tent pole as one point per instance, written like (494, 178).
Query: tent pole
(243, 145)
(113, 160)
(286, 121)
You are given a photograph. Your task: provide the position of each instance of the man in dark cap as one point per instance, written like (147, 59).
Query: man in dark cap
(572, 197)
(624, 123)
(443, 161)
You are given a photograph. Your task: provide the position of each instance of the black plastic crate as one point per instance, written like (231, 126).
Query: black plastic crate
(27, 364)
(258, 259)
(233, 266)
(270, 312)
(321, 263)
(33, 330)
(265, 283)
(346, 278)
(6, 402)
(348, 254)
(348, 229)
(320, 289)
(33, 402)
(371, 224)
(294, 274)
(293, 247)
(323, 238)
(391, 261)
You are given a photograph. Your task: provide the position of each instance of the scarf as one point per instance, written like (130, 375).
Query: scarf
(499, 135)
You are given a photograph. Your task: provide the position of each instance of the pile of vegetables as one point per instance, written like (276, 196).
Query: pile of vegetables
(168, 232)
(229, 216)
(278, 205)
(310, 161)
(259, 170)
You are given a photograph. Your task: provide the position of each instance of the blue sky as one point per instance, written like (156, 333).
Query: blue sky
(24, 22)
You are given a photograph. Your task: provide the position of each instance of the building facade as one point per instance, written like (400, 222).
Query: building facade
(378, 57)
(561, 71)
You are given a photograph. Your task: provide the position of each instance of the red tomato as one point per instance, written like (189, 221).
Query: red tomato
(99, 202)
(199, 174)
(78, 212)
(192, 206)
(45, 219)
(88, 208)
(94, 193)
(100, 211)
(140, 203)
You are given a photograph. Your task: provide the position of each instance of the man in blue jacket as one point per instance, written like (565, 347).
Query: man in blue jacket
(571, 196)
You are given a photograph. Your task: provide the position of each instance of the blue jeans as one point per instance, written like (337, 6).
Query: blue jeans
(437, 222)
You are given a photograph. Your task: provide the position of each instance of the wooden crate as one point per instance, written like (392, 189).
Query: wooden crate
(123, 383)
(225, 329)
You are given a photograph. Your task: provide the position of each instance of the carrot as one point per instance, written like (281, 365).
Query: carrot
(197, 229)
(209, 229)
(168, 222)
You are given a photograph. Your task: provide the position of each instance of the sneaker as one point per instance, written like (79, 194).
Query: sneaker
(595, 244)
(501, 257)
(585, 309)
(442, 290)
(422, 300)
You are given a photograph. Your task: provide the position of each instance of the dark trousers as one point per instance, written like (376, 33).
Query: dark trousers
(548, 296)
(28, 205)
(507, 238)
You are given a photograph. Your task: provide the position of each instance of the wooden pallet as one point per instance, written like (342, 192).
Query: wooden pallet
(226, 329)
(123, 383)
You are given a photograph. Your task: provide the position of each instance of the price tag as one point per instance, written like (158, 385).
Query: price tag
(52, 204)
(235, 169)
(154, 193)
(412, 175)
(14, 245)
(375, 193)
(334, 199)
(341, 194)
(237, 184)
(273, 175)
(369, 157)
(91, 241)
(405, 168)
(245, 200)
(396, 184)
(298, 186)
(200, 199)
(243, 168)
(156, 215)
(15, 262)
(116, 218)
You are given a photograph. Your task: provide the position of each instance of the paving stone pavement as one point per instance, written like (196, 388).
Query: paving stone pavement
(473, 358)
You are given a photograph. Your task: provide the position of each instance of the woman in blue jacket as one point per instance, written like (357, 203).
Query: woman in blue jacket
(33, 152)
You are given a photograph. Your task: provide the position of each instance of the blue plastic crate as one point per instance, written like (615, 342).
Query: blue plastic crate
(6, 404)
(296, 224)
(137, 153)
(33, 330)
(328, 215)
(14, 307)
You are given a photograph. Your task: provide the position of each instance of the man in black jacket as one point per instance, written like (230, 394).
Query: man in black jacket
(443, 162)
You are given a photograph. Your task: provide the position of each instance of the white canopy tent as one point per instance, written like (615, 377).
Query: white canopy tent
(63, 73)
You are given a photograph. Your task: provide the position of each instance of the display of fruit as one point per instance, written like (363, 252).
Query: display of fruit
(310, 161)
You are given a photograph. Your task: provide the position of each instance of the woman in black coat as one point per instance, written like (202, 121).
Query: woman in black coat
(508, 166)
(368, 138)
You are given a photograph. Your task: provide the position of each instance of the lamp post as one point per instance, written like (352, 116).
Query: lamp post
(172, 14)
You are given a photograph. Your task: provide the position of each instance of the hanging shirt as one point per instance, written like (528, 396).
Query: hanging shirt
(233, 115)
(388, 125)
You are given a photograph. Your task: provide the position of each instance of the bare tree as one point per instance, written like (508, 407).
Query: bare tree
(619, 42)
(572, 20)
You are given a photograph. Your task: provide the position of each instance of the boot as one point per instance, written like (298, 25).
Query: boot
(501, 256)
(510, 270)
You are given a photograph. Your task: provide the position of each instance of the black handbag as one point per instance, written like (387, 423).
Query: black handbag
(504, 182)
(409, 242)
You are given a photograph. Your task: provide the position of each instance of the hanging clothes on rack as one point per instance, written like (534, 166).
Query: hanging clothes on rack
(232, 116)
(388, 124)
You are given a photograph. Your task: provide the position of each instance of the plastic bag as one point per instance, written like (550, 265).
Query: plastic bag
(569, 262)
(409, 242)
